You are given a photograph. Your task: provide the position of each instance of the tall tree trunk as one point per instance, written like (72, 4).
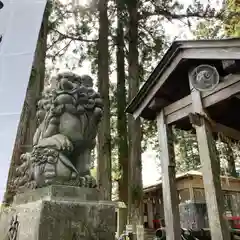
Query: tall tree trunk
(104, 137)
(121, 116)
(135, 194)
(28, 121)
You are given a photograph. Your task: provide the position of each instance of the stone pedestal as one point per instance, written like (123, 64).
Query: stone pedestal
(59, 213)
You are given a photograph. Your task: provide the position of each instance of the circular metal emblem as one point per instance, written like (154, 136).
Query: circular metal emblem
(1, 5)
(204, 78)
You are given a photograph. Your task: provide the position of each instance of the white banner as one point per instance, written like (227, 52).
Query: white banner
(20, 22)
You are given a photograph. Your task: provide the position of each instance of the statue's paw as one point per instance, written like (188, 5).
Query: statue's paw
(91, 181)
(49, 178)
(67, 145)
(31, 185)
(49, 171)
(88, 181)
(46, 175)
(64, 143)
(74, 175)
(82, 182)
(58, 142)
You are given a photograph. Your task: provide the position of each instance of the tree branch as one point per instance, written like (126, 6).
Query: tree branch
(170, 15)
(54, 42)
(74, 38)
(58, 53)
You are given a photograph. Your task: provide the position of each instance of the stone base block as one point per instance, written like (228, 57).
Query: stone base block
(58, 213)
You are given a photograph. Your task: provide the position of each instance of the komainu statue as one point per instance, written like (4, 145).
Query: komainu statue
(69, 113)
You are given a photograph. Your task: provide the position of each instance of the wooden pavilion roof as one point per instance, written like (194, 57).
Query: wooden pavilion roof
(169, 80)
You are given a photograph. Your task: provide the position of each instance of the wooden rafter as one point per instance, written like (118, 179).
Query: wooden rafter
(180, 109)
(178, 52)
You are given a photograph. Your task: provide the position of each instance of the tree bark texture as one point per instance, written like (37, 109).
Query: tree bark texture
(104, 137)
(135, 193)
(121, 116)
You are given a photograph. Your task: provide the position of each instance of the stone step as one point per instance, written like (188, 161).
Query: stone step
(149, 234)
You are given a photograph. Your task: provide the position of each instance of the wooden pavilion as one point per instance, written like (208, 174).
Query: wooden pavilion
(169, 97)
(192, 202)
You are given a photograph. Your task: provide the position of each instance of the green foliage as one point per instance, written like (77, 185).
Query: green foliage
(227, 23)
(94, 172)
(209, 29)
(73, 36)
(232, 23)
(186, 150)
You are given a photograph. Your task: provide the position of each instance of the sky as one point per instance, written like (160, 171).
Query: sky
(15, 24)
(16, 58)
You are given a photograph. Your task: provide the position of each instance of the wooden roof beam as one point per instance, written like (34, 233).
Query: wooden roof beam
(229, 86)
(227, 49)
(227, 53)
(158, 103)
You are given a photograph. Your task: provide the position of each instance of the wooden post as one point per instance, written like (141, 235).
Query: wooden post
(211, 173)
(150, 214)
(191, 191)
(170, 196)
